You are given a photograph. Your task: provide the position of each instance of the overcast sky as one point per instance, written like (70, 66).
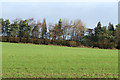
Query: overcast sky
(59, 0)
(89, 12)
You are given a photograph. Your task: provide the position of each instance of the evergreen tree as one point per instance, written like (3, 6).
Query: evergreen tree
(44, 29)
(111, 27)
(15, 29)
(7, 27)
(97, 31)
(60, 31)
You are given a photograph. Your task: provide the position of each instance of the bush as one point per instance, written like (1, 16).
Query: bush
(0, 38)
(10, 39)
(63, 42)
(78, 44)
(16, 39)
(112, 45)
(41, 41)
(30, 40)
(35, 41)
(47, 41)
(72, 43)
(38, 41)
(105, 45)
(4, 39)
(55, 42)
(23, 40)
(67, 43)
(118, 45)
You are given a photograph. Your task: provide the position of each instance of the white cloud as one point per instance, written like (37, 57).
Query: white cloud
(59, 0)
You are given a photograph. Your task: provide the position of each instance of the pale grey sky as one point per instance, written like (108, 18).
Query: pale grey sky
(59, 0)
(89, 12)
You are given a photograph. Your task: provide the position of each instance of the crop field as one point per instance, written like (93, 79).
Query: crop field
(47, 61)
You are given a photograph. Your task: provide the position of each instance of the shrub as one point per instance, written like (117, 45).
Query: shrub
(35, 41)
(10, 39)
(38, 41)
(58, 42)
(54, 42)
(30, 40)
(112, 45)
(47, 41)
(78, 44)
(4, 39)
(72, 43)
(16, 39)
(0, 38)
(23, 40)
(41, 41)
(118, 45)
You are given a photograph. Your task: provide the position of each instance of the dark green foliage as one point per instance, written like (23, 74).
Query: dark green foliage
(117, 36)
(4, 39)
(63, 33)
(7, 28)
(10, 39)
(44, 29)
(111, 27)
(23, 40)
(47, 41)
(16, 39)
(14, 29)
(31, 40)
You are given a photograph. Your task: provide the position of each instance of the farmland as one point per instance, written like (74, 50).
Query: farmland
(48, 61)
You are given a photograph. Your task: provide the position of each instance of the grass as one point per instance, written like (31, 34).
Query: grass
(46, 61)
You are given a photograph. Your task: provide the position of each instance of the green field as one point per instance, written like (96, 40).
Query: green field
(46, 61)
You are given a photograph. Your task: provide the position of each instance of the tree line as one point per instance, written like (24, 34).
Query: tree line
(64, 32)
